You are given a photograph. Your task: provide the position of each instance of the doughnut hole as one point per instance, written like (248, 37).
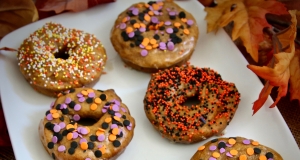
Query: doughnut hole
(192, 101)
(87, 121)
(62, 54)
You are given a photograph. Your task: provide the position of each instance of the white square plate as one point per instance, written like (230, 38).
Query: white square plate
(24, 107)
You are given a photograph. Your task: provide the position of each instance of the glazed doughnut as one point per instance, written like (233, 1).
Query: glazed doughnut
(166, 107)
(235, 148)
(65, 134)
(154, 35)
(54, 58)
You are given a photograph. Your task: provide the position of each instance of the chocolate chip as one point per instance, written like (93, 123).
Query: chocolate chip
(156, 36)
(57, 107)
(65, 132)
(48, 112)
(71, 90)
(221, 145)
(181, 14)
(61, 118)
(71, 151)
(214, 140)
(269, 155)
(257, 150)
(72, 104)
(93, 138)
(50, 145)
(116, 143)
(126, 122)
(123, 116)
(104, 125)
(98, 153)
(89, 100)
(65, 111)
(103, 97)
(90, 145)
(74, 144)
(132, 21)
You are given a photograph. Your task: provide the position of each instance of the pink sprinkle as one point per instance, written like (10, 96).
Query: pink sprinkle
(222, 150)
(212, 148)
(79, 95)
(115, 107)
(169, 30)
(82, 140)
(142, 29)
(246, 141)
(61, 148)
(170, 46)
(68, 100)
(76, 117)
(167, 23)
(91, 95)
(113, 126)
(128, 127)
(118, 114)
(52, 104)
(77, 107)
(49, 117)
(228, 154)
(54, 139)
(75, 135)
(144, 52)
(81, 99)
(104, 110)
(212, 158)
(84, 131)
(101, 137)
(56, 128)
(63, 106)
(62, 125)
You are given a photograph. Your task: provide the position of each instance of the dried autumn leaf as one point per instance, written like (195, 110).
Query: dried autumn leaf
(294, 88)
(280, 74)
(248, 17)
(15, 14)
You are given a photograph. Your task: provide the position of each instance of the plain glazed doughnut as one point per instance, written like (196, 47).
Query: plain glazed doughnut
(65, 136)
(235, 148)
(54, 58)
(169, 90)
(154, 35)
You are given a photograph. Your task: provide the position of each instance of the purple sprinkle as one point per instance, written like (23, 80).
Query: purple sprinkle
(270, 159)
(76, 117)
(169, 30)
(51, 105)
(131, 34)
(144, 52)
(167, 23)
(123, 109)
(75, 135)
(172, 13)
(116, 102)
(87, 159)
(170, 46)
(77, 107)
(135, 11)
(79, 129)
(228, 145)
(49, 117)
(79, 95)
(162, 45)
(246, 141)
(122, 25)
(100, 146)
(142, 29)
(131, 8)
(54, 139)
(118, 114)
(190, 22)
(156, 13)
(151, 8)
(113, 126)
(82, 140)
(68, 100)
(212, 158)
(128, 127)
(228, 154)
(106, 107)
(81, 99)
(104, 110)
(142, 46)
(154, 19)
(91, 95)
(101, 137)
(212, 148)
(84, 131)
(222, 150)
(56, 128)
(115, 107)
(80, 135)
(61, 148)
(62, 125)
(63, 106)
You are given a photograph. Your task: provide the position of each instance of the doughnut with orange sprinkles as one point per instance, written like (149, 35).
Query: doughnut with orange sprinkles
(170, 90)
(54, 58)
(154, 35)
(72, 129)
(242, 149)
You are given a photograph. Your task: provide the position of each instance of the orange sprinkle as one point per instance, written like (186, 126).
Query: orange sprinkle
(87, 128)
(55, 115)
(160, 3)
(201, 148)
(233, 152)
(103, 149)
(151, 13)
(262, 157)
(254, 143)
(147, 17)
(216, 154)
(231, 141)
(155, 45)
(99, 132)
(148, 47)
(136, 25)
(250, 151)
(97, 100)
(161, 23)
(117, 118)
(155, 6)
(112, 137)
(129, 29)
(147, 5)
(115, 131)
(145, 41)
(69, 136)
(90, 91)
(93, 106)
(85, 93)
(243, 157)
(69, 126)
(84, 146)
(152, 41)
(142, 25)
(186, 31)
(177, 24)
(53, 111)
(184, 20)
(108, 119)
(124, 19)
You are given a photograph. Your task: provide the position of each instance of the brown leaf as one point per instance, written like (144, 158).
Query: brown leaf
(248, 17)
(295, 76)
(15, 14)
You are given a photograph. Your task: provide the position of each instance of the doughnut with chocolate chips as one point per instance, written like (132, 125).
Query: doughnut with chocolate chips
(169, 90)
(85, 124)
(235, 148)
(154, 35)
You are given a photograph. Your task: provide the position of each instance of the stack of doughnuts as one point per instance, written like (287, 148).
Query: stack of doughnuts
(54, 58)
(154, 35)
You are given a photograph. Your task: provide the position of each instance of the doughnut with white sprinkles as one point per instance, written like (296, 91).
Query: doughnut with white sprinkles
(54, 58)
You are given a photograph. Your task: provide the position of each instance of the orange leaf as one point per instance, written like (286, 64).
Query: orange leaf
(248, 17)
(295, 77)
(279, 75)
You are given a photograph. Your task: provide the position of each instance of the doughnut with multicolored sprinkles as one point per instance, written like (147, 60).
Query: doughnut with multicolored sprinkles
(100, 128)
(169, 90)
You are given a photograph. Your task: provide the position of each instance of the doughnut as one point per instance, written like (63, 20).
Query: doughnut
(85, 124)
(235, 148)
(54, 58)
(188, 104)
(154, 35)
